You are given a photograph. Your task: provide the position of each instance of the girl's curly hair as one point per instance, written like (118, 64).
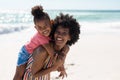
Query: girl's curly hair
(67, 21)
(38, 13)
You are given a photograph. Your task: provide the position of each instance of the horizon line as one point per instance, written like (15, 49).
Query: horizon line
(91, 10)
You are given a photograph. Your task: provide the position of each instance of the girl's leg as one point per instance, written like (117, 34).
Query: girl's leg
(19, 72)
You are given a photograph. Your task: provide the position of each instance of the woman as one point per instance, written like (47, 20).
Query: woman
(66, 31)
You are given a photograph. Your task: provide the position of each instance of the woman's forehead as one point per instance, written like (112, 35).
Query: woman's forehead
(62, 28)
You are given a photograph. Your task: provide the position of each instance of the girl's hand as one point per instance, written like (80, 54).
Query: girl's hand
(63, 74)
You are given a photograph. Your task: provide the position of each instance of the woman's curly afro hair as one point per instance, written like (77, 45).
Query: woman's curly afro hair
(67, 21)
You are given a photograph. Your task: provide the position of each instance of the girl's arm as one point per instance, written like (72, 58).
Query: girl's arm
(64, 54)
(49, 49)
(61, 69)
(62, 74)
(39, 59)
(65, 50)
(39, 56)
(57, 64)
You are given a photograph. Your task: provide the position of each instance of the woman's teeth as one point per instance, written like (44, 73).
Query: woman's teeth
(59, 39)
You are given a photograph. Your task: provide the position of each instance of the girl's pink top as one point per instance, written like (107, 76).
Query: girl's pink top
(36, 41)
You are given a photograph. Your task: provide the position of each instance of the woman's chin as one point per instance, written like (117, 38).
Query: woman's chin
(60, 44)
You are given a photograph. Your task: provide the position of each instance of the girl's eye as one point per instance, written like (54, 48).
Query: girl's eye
(39, 28)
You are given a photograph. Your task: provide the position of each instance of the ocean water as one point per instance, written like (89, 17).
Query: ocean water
(90, 20)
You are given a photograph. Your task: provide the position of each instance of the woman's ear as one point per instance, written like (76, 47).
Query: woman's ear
(69, 38)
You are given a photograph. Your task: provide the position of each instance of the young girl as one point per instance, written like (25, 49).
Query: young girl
(43, 26)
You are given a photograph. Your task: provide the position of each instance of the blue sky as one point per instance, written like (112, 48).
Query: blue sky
(61, 4)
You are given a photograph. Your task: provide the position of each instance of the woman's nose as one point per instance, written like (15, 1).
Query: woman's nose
(60, 34)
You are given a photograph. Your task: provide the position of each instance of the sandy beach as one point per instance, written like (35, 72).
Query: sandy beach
(93, 57)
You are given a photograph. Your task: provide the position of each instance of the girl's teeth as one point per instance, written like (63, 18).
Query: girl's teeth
(45, 32)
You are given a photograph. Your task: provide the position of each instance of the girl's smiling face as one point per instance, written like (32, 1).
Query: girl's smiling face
(43, 27)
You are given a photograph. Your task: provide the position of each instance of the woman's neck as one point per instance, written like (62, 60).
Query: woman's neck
(58, 48)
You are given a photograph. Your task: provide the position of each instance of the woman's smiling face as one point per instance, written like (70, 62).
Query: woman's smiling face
(61, 36)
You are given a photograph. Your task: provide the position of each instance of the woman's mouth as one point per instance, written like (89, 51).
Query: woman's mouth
(59, 39)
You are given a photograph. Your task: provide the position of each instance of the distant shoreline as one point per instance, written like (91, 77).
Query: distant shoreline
(80, 10)
(70, 10)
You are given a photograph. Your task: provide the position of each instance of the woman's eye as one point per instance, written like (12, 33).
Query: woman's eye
(65, 33)
(61, 33)
(56, 32)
